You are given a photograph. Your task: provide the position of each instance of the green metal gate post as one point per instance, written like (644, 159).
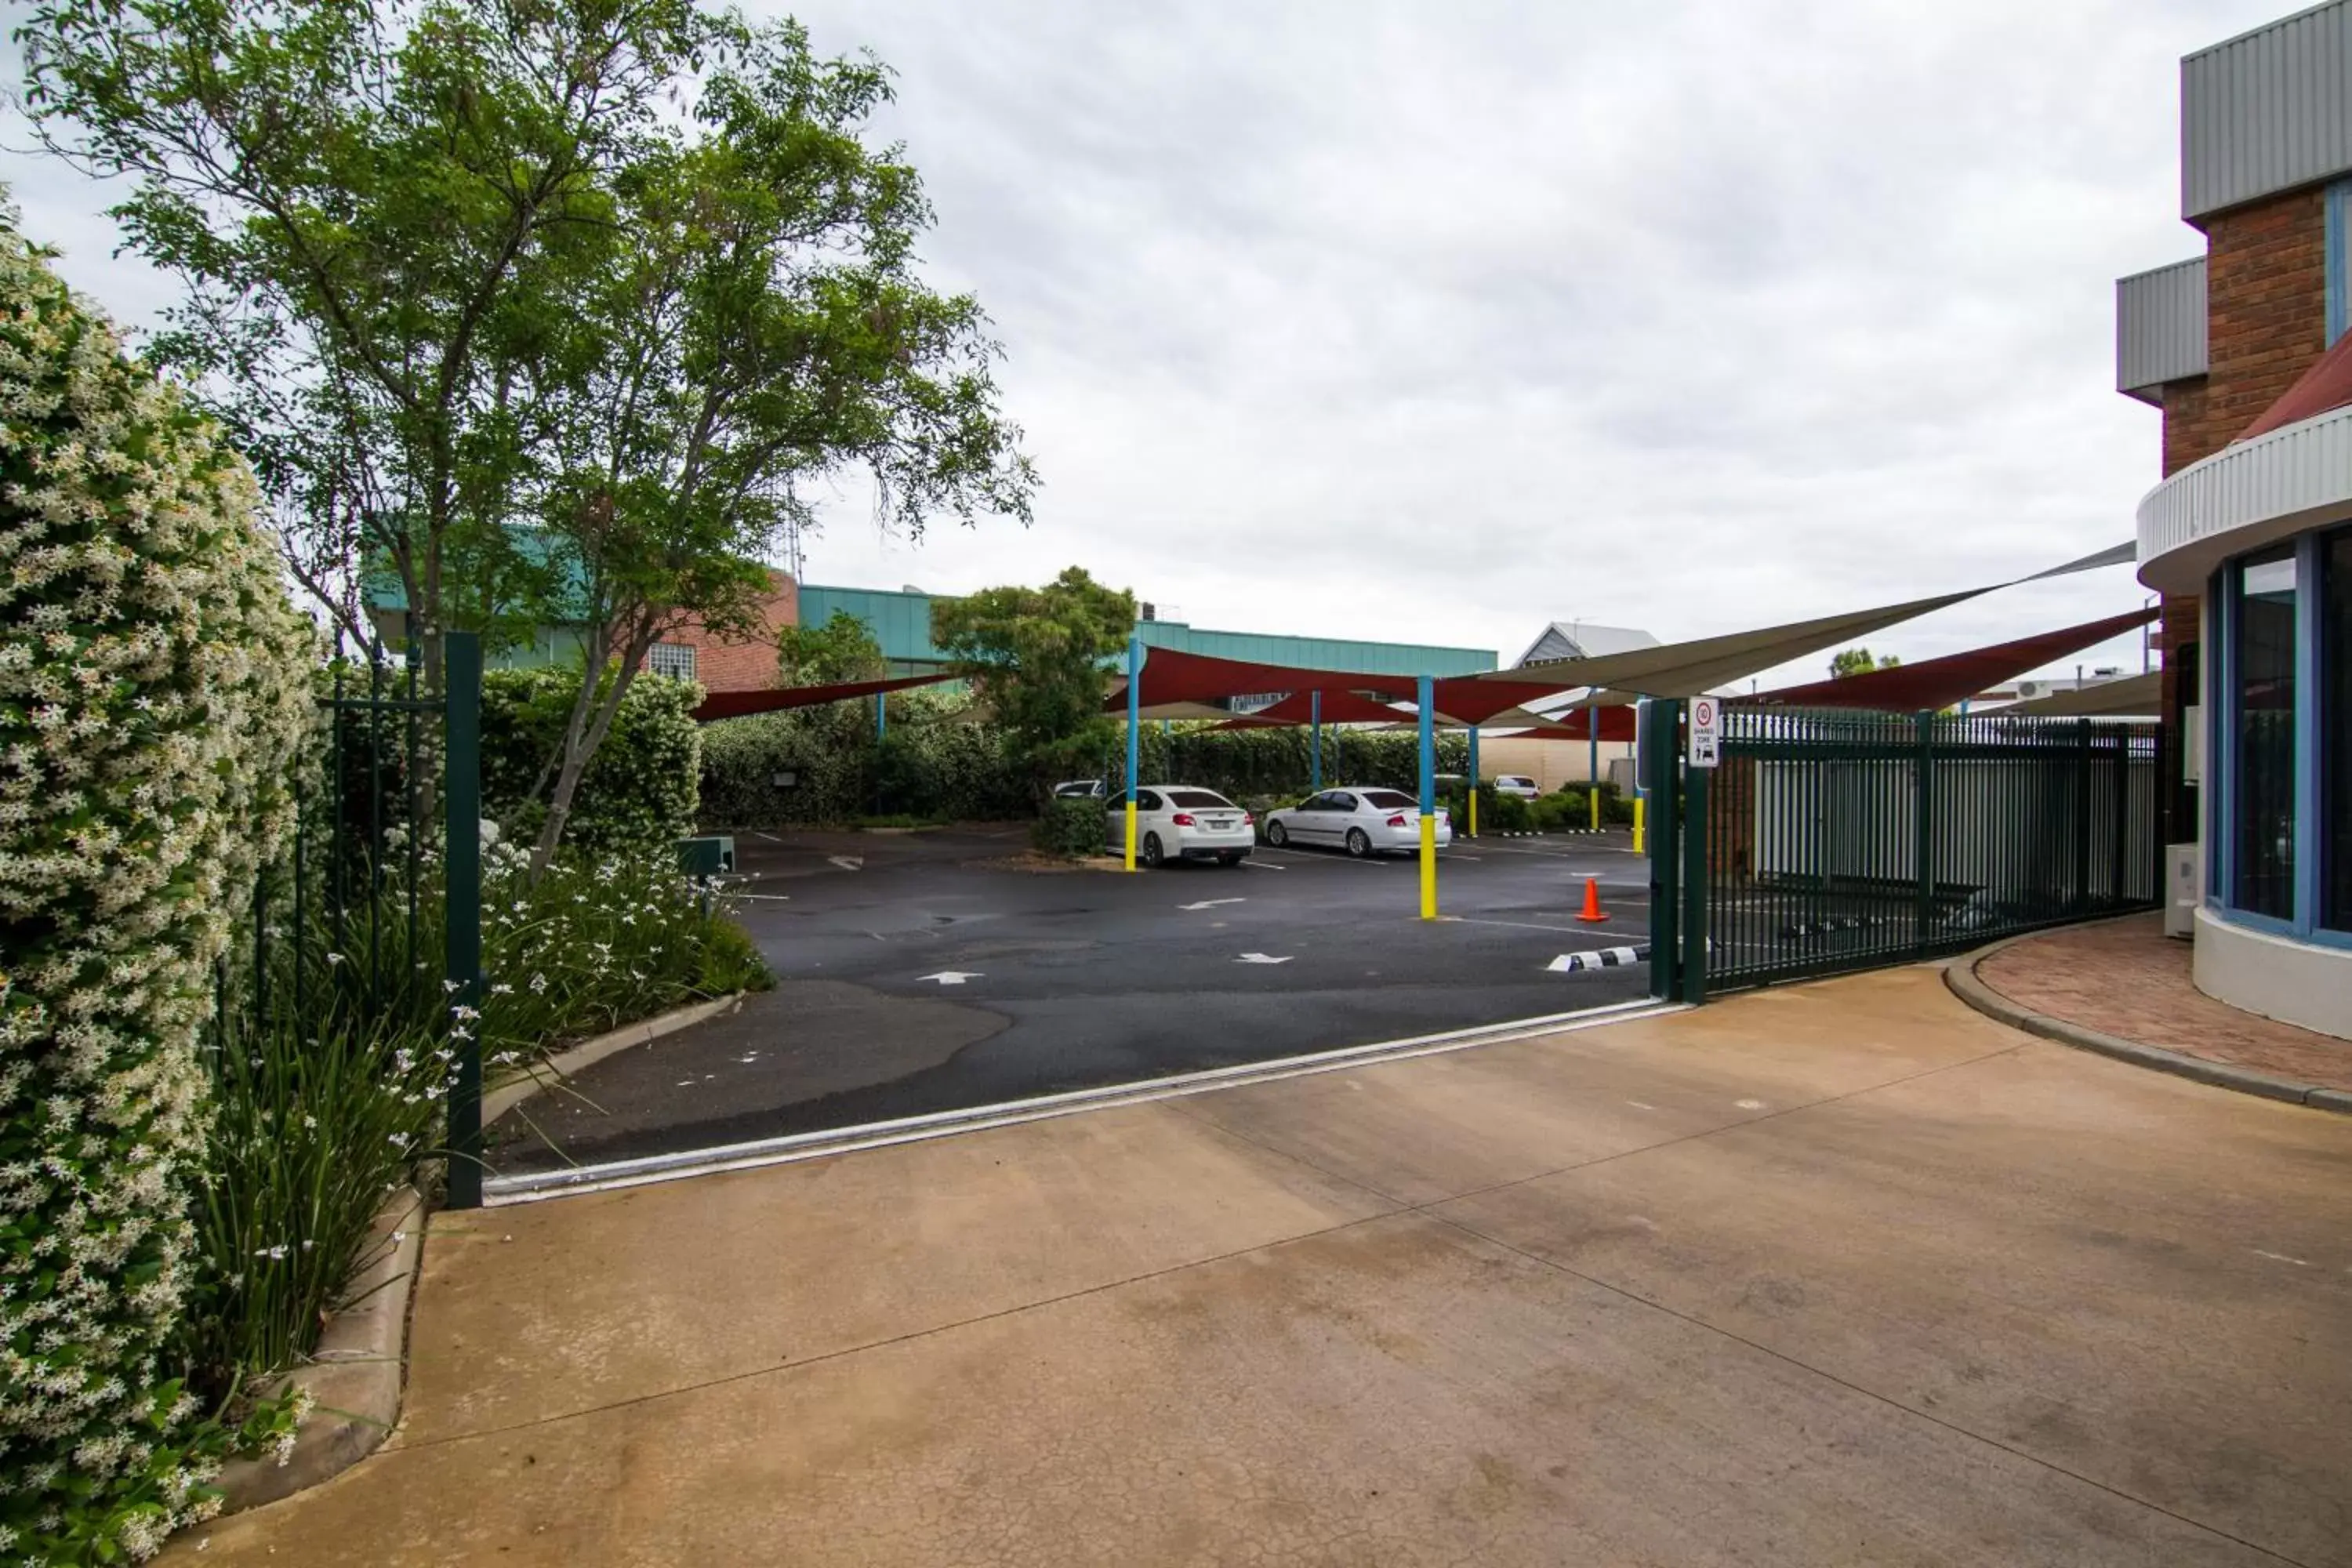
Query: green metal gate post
(1661, 737)
(1694, 919)
(2118, 887)
(462, 797)
(1922, 841)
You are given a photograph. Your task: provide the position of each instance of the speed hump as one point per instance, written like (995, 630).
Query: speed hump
(1706, 731)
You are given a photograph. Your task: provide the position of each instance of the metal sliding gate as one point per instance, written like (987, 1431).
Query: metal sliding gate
(1839, 840)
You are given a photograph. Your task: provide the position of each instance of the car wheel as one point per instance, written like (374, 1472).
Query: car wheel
(1150, 854)
(1359, 843)
(1276, 834)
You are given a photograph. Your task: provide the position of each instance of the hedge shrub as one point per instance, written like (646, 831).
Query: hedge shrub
(931, 764)
(153, 694)
(642, 788)
(1071, 827)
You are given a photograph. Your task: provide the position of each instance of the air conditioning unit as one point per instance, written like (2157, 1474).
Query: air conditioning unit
(2028, 689)
(2184, 888)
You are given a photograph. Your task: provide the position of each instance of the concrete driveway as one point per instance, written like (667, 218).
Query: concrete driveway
(1837, 1274)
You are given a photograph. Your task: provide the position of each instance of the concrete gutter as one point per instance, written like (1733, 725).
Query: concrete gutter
(1960, 975)
(565, 1064)
(355, 1374)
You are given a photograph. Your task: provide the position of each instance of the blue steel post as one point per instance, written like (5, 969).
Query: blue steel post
(1315, 749)
(1428, 803)
(1473, 806)
(1134, 734)
(881, 714)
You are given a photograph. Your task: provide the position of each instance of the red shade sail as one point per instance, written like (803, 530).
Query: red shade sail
(2327, 385)
(1172, 674)
(1617, 723)
(1940, 682)
(741, 704)
(1335, 708)
(1474, 698)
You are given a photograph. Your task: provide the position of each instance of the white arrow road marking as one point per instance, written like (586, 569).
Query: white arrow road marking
(1212, 903)
(949, 976)
(847, 862)
(1262, 957)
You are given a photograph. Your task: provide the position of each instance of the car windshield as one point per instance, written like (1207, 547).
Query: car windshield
(1390, 800)
(1200, 800)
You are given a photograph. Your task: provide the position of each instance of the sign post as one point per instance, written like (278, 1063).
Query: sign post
(1706, 731)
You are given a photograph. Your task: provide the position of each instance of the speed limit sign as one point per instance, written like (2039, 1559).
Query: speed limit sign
(1706, 731)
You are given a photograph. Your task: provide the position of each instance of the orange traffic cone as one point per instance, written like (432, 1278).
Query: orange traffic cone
(1593, 909)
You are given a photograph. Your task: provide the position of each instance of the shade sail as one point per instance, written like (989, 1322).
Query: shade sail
(742, 704)
(1179, 711)
(1334, 707)
(2134, 695)
(1689, 668)
(1172, 674)
(1939, 682)
(1478, 698)
(2327, 385)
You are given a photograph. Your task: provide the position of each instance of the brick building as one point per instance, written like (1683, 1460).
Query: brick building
(731, 664)
(2241, 538)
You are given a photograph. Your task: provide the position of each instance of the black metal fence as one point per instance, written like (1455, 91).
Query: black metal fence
(1839, 840)
(373, 919)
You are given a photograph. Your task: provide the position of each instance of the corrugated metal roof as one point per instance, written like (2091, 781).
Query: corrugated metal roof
(2160, 326)
(2267, 110)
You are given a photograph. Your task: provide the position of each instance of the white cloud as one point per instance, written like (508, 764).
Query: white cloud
(1435, 323)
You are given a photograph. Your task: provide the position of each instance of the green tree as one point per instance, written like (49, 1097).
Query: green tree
(1038, 658)
(378, 209)
(1857, 662)
(497, 317)
(844, 648)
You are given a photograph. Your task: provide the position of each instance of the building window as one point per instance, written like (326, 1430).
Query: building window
(2336, 730)
(672, 658)
(2263, 671)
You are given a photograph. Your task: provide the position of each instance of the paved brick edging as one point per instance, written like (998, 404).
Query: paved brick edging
(498, 1101)
(357, 1372)
(1960, 977)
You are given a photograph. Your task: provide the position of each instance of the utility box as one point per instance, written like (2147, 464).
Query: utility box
(2184, 888)
(1621, 775)
(710, 855)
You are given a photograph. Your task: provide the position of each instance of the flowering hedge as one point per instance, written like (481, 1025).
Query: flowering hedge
(153, 691)
(640, 789)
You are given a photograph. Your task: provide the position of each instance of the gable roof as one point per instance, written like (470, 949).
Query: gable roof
(1584, 640)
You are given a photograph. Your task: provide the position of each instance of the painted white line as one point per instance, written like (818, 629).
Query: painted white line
(538, 1186)
(1262, 957)
(950, 976)
(847, 862)
(761, 897)
(769, 837)
(2281, 1257)
(1212, 903)
(1255, 864)
(1524, 925)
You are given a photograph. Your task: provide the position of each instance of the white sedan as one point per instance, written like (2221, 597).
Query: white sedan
(1360, 821)
(1178, 822)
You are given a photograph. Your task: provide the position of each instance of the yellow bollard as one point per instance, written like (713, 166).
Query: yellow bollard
(1473, 808)
(1592, 794)
(1131, 833)
(1638, 803)
(1428, 865)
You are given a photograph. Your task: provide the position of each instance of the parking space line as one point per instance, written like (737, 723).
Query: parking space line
(1524, 925)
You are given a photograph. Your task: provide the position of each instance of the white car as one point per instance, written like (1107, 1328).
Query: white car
(1516, 784)
(1179, 822)
(1360, 821)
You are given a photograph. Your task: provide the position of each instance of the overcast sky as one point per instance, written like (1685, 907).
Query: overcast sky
(1436, 323)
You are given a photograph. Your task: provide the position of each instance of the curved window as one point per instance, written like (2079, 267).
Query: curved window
(2335, 736)
(2263, 668)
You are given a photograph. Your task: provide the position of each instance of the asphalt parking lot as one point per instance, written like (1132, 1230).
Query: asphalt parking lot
(936, 971)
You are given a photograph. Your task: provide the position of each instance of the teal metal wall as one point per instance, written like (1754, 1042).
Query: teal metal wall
(902, 625)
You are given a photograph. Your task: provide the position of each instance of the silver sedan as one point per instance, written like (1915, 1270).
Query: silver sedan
(1360, 821)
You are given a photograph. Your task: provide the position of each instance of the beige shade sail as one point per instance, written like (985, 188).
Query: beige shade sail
(2132, 697)
(1689, 668)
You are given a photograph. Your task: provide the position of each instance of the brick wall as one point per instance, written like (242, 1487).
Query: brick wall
(743, 664)
(2265, 323)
